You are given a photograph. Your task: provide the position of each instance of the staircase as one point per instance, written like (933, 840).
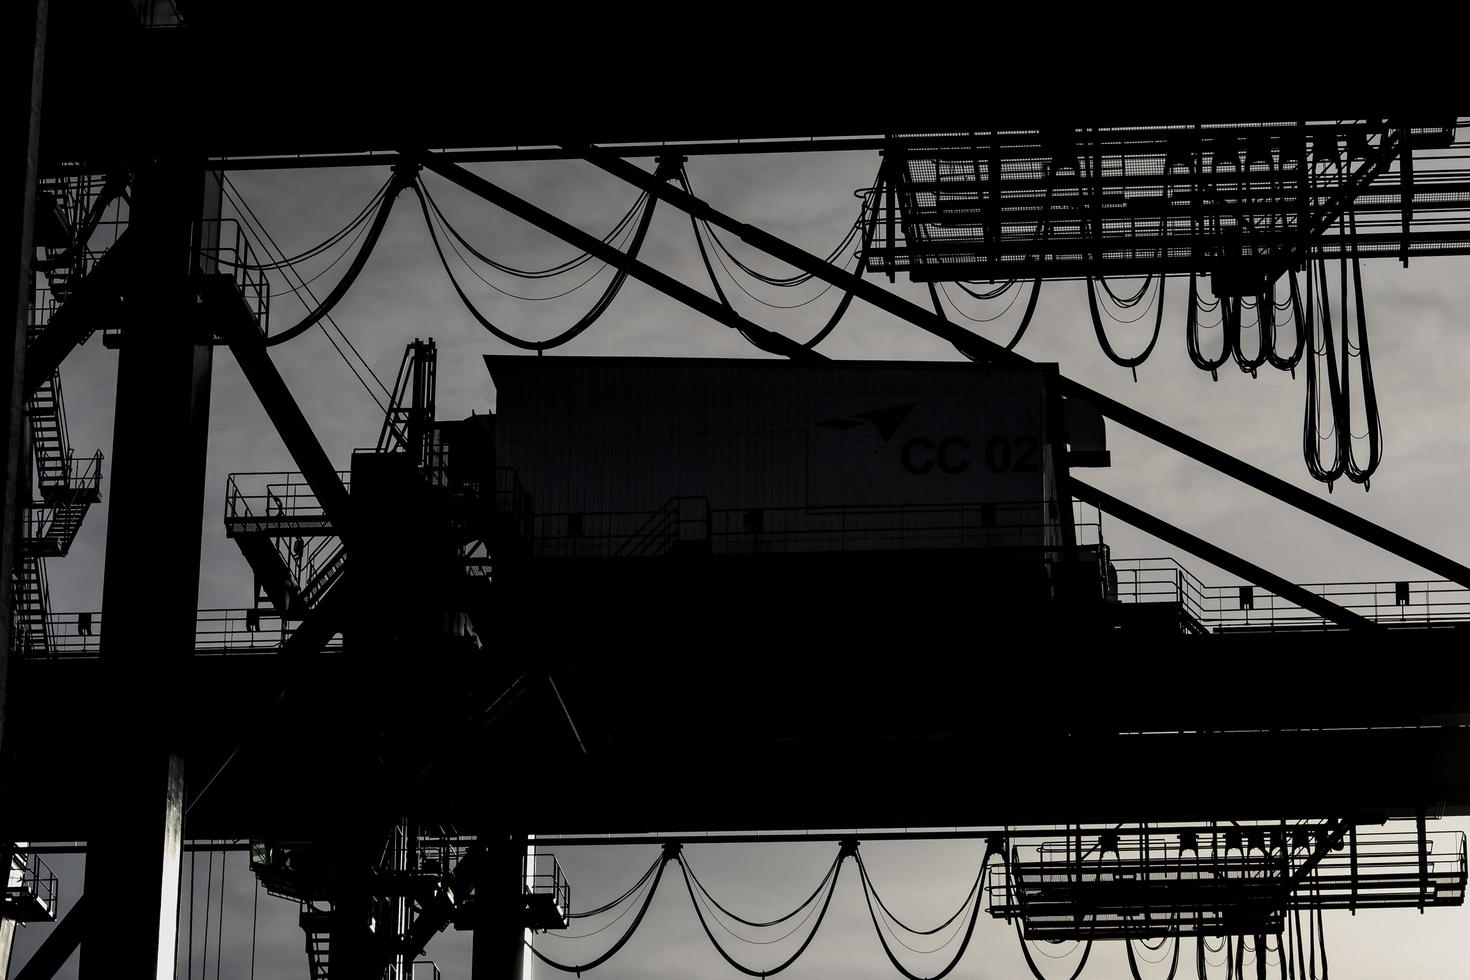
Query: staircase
(29, 601)
(293, 585)
(47, 417)
(318, 928)
(67, 486)
(285, 537)
(274, 581)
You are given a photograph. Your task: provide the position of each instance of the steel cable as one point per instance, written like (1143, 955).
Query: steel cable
(831, 870)
(282, 261)
(964, 943)
(1131, 363)
(622, 940)
(1133, 960)
(621, 898)
(401, 178)
(1021, 939)
(863, 870)
(805, 943)
(576, 329)
(560, 268)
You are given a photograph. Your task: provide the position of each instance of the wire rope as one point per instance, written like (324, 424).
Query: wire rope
(570, 333)
(622, 940)
(402, 178)
(831, 870)
(621, 898)
(257, 230)
(964, 943)
(805, 943)
(551, 271)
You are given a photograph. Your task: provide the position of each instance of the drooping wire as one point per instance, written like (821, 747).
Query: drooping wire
(863, 869)
(1133, 960)
(998, 291)
(444, 226)
(1021, 939)
(557, 269)
(606, 906)
(805, 943)
(1131, 363)
(1319, 311)
(944, 288)
(622, 941)
(1031, 963)
(1128, 940)
(1026, 316)
(291, 289)
(1356, 473)
(964, 943)
(800, 924)
(831, 870)
(570, 333)
(781, 281)
(402, 178)
(869, 198)
(1294, 304)
(283, 261)
(268, 244)
(602, 928)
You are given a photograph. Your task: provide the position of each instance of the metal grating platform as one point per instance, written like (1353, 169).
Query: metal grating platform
(1236, 202)
(1236, 882)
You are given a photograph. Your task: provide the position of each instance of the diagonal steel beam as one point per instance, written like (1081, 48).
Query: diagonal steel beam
(248, 346)
(300, 650)
(765, 339)
(93, 302)
(58, 946)
(980, 348)
(1326, 844)
(1232, 563)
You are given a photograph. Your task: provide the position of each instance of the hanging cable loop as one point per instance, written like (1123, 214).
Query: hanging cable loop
(566, 336)
(404, 176)
(974, 906)
(805, 943)
(670, 853)
(816, 892)
(1131, 363)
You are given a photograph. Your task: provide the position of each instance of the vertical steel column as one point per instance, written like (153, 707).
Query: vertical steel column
(25, 54)
(25, 49)
(357, 951)
(7, 941)
(499, 945)
(150, 580)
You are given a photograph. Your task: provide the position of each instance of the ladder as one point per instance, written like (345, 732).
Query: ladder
(29, 602)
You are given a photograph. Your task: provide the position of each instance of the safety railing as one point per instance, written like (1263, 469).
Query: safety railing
(1414, 603)
(30, 888)
(1113, 884)
(319, 570)
(541, 875)
(216, 631)
(512, 501)
(687, 521)
(82, 476)
(224, 250)
(275, 503)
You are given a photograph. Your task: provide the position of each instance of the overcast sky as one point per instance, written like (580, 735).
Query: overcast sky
(1421, 358)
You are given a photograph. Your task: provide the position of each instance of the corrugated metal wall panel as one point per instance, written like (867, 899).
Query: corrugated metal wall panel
(594, 435)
